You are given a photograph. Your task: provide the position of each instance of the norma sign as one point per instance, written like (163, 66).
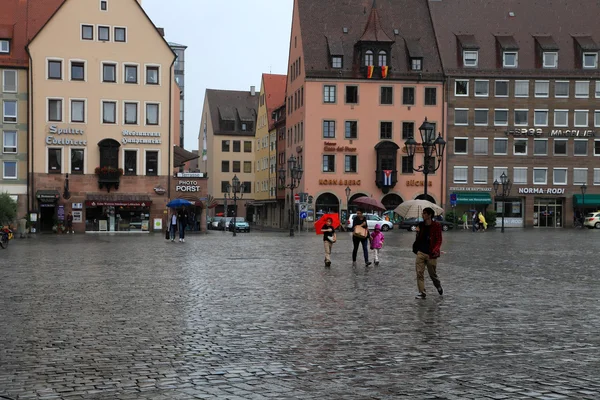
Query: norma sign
(541, 191)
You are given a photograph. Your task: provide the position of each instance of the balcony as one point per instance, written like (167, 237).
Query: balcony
(109, 177)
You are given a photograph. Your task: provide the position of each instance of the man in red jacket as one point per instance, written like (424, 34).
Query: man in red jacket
(427, 248)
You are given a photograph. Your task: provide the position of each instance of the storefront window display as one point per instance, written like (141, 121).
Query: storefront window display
(117, 218)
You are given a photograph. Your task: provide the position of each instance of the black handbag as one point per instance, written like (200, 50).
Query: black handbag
(167, 234)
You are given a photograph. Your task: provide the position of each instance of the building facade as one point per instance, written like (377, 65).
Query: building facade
(279, 118)
(358, 87)
(523, 102)
(179, 67)
(102, 118)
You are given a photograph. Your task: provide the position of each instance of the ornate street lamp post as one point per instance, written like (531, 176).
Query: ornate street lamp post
(236, 189)
(506, 186)
(226, 194)
(348, 191)
(583, 190)
(295, 177)
(432, 149)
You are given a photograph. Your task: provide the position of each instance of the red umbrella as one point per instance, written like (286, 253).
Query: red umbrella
(369, 203)
(321, 221)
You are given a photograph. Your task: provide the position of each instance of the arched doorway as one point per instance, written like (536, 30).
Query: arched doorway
(426, 197)
(391, 201)
(327, 203)
(353, 207)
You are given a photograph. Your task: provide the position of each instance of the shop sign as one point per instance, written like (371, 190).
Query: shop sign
(341, 182)
(61, 213)
(550, 132)
(332, 146)
(77, 217)
(541, 191)
(190, 175)
(413, 182)
(470, 189)
(54, 131)
(510, 222)
(118, 203)
(187, 186)
(135, 137)
(160, 190)
(77, 206)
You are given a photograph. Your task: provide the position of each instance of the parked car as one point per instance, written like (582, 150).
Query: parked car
(410, 224)
(240, 225)
(592, 220)
(214, 223)
(372, 220)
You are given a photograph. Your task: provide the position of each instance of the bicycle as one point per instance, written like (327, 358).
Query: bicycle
(578, 223)
(5, 236)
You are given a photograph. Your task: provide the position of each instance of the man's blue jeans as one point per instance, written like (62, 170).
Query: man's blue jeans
(173, 228)
(181, 231)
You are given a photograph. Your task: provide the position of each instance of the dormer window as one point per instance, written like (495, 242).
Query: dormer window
(336, 62)
(550, 59)
(416, 64)
(4, 46)
(382, 58)
(590, 60)
(509, 49)
(470, 58)
(510, 59)
(369, 58)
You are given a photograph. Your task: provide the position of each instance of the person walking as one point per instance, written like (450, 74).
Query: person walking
(360, 235)
(465, 220)
(329, 238)
(183, 219)
(173, 225)
(70, 223)
(482, 222)
(427, 247)
(474, 221)
(377, 240)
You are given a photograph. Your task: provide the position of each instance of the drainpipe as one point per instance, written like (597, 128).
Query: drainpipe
(170, 170)
(30, 125)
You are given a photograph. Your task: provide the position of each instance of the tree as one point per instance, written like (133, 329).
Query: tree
(8, 209)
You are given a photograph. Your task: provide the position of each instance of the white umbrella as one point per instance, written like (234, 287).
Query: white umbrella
(414, 208)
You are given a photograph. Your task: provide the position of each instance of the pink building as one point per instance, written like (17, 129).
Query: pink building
(361, 80)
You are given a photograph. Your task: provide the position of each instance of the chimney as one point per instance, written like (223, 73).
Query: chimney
(252, 90)
(161, 31)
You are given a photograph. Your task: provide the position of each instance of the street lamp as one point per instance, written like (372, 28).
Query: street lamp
(506, 186)
(348, 191)
(432, 149)
(583, 190)
(236, 189)
(295, 177)
(226, 194)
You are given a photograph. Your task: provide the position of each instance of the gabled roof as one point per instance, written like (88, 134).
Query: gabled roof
(275, 86)
(232, 103)
(373, 31)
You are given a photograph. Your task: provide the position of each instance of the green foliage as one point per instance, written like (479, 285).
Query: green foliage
(451, 216)
(490, 218)
(8, 209)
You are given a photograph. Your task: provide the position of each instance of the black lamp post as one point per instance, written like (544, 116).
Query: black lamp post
(66, 192)
(583, 190)
(348, 191)
(295, 177)
(236, 189)
(506, 186)
(432, 149)
(226, 194)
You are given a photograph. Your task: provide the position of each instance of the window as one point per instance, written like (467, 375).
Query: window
(597, 147)
(560, 147)
(54, 69)
(152, 75)
(351, 94)
(480, 146)
(385, 130)
(152, 163)
(542, 88)
(9, 111)
(559, 176)
(236, 166)
(501, 89)
(521, 88)
(104, 33)
(540, 176)
(78, 111)
(247, 146)
(497, 173)
(581, 118)
(55, 110)
(470, 58)
(328, 163)
(109, 72)
(350, 163)
(520, 147)
(103, 5)
(369, 58)
(87, 32)
(9, 142)
(550, 59)
(461, 87)
(224, 186)
(582, 89)
(500, 146)
(540, 147)
(237, 146)
(328, 129)
(382, 58)
(596, 118)
(336, 62)
(481, 116)
(152, 114)
(225, 146)
(520, 175)
(461, 174)
(120, 34)
(9, 81)
(430, 96)
(480, 175)
(408, 130)
(580, 147)
(510, 59)
(77, 71)
(131, 113)
(416, 64)
(500, 117)
(131, 74)
(130, 162)
(54, 161)
(109, 112)
(329, 94)
(580, 176)
(408, 96)
(521, 117)
(4, 46)
(460, 145)
(597, 91)
(561, 117)
(247, 167)
(407, 165)
(461, 116)
(77, 161)
(482, 88)
(386, 95)
(540, 117)
(9, 170)
(351, 130)
(561, 89)
(590, 60)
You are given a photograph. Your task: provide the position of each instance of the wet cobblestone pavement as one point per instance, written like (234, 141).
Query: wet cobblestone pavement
(259, 317)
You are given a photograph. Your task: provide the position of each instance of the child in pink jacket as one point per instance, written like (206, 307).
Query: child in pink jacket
(377, 240)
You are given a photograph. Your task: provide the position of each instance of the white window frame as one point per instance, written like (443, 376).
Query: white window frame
(461, 124)
(84, 158)
(575, 181)
(4, 44)
(596, 177)
(125, 102)
(562, 96)
(554, 181)
(335, 96)
(480, 182)
(487, 110)
(545, 169)
(515, 181)
(62, 109)
(4, 73)
(526, 141)
(85, 111)
(455, 87)
(481, 139)
(4, 176)
(4, 146)
(137, 72)
(115, 34)
(535, 123)
(566, 141)
(5, 115)
(113, 63)
(102, 101)
(587, 147)
(526, 123)
(507, 88)
(582, 96)
(535, 91)
(323, 164)
(536, 140)
(62, 157)
(157, 162)
(466, 139)
(85, 70)
(146, 103)
(587, 118)
(567, 120)
(497, 172)
(500, 140)
(462, 168)
(596, 118)
(516, 64)
(146, 66)
(550, 53)
(62, 68)
(527, 85)
(589, 53)
(109, 32)
(93, 39)
(487, 82)
(473, 65)
(500, 124)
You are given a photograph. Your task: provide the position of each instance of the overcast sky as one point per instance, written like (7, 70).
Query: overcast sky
(230, 44)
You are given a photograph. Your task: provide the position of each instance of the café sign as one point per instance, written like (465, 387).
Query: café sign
(551, 132)
(413, 182)
(541, 191)
(135, 137)
(55, 131)
(332, 146)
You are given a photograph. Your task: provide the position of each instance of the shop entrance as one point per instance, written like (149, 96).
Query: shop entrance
(47, 217)
(547, 213)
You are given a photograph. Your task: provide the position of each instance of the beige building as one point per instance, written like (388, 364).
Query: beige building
(229, 125)
(102, 118)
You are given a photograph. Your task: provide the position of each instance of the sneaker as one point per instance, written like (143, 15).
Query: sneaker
(440, 290)
(172, 240)
(368, 263)
(377, 263)
(421, 295)
(183, 240)
(180, 240)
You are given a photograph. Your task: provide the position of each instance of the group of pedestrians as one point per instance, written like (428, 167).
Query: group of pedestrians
(478, 222)
(178, 221)
(427, 246)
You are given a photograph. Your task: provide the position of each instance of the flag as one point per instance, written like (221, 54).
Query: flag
(387, 177)
(370, 69)
(384, 71)
(204, 153)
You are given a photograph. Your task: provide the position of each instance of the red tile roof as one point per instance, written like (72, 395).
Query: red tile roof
(275, 86)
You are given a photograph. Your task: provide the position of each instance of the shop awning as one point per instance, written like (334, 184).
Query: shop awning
(473, 198)
(181, 156)
(123, 200)
(47, 196)
(590, 200)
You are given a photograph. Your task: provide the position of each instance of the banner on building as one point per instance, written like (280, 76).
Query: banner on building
(384, 71)
(370, 69)
(387, 177)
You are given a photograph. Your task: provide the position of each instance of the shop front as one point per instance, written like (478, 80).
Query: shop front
(193, 187)
(544, 207)
(512, 209)
(117, 213)
(470, 199)
(47, 209)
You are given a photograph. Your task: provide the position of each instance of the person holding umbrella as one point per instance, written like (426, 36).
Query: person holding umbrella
(182, 218)
(326, 226)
